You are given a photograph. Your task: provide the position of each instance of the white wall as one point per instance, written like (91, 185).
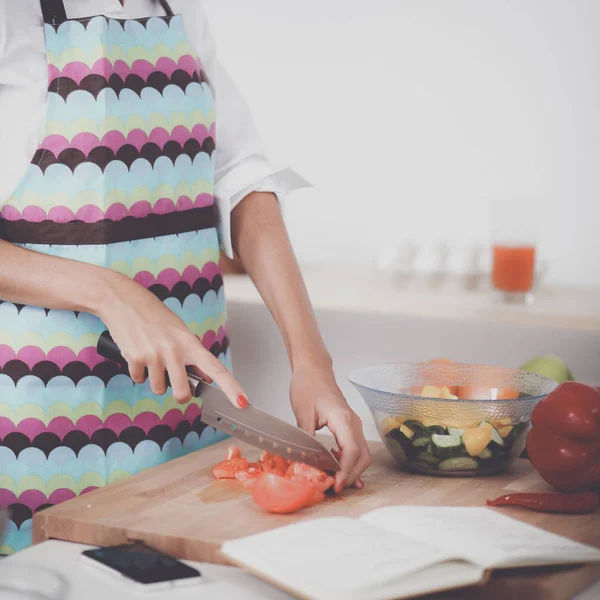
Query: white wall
(405, 113)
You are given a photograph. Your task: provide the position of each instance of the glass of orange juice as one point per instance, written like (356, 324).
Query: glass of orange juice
(514, 230)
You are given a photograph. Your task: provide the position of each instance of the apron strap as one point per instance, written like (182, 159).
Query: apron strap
(167, 8)
(54, 12)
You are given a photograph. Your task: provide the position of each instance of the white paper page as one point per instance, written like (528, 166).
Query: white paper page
(481, 535)
(334, 558)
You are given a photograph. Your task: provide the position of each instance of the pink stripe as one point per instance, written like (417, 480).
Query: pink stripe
(163, 206)
(6, 498)
(166, 65)
(143, 68)
(104, 67)
(210, 270)
(113, 140)
(89, 489)
(78, 70)
(55, 143)
(53, 73)
(159, 136)
(31, 427)
(33, 499)
(188, 63)
(89, 424)
(192, 412)
(140, 209)
(31, 355)
(61, 426)
(213, 131)
(184, 203)
(116, 212)
(61, 356)
(61, 495)
(10, 213)
(6, 426)
(172, 418)
(6, 354)
(89, 213)
(33, 214)
(138, 137)
(85, 142)
(61, 214)
(146, 421)
(121, 68)
(117, 423)
(204, 200)
(144, 278)
(210, 337)
(90, 357)
(168, 277)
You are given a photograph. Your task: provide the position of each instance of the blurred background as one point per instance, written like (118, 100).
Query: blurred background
(406, 114)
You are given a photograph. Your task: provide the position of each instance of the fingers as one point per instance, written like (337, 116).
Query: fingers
(355, 456)
(156, 375)
(178, 379)
(210, 365)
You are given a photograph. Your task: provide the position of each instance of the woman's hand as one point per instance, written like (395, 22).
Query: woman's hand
(152, 337)
(317, 402)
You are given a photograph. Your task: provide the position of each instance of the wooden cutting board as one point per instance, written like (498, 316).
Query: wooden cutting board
(179, 509)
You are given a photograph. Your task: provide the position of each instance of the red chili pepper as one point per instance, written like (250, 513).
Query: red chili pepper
(582, 504)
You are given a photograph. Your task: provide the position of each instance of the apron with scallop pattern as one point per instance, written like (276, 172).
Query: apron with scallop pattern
(123, 178)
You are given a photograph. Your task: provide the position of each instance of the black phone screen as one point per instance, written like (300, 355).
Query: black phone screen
(142, 564)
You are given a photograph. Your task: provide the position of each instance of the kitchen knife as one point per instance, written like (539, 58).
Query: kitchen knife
(250, 424)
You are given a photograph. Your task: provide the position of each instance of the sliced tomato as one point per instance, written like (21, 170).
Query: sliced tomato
(271, 463)
(255, 465)
(228, 468)
(472, 392)
(233, 452)
(248, 478)
(280, 495)
(321, 480)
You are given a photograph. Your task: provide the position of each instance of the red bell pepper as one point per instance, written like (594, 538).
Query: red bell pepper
(564, 441)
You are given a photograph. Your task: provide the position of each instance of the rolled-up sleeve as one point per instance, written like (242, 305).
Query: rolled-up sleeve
(242, 165)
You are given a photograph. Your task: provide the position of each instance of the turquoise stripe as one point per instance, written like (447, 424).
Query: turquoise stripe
(112, 33)
(172, 245)
(32, 318)
(88, 176)
(31, 390)
(197, 96)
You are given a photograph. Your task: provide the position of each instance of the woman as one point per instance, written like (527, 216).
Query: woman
(116, 223)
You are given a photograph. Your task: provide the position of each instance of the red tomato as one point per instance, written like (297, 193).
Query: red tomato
(228, 468)
(233, 452)
(321, 480)
(280, 495)
(248, 478)
(271, 463)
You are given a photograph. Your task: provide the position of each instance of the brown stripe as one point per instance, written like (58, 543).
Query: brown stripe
(78, 233)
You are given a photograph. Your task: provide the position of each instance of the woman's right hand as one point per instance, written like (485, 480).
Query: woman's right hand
(152, 337)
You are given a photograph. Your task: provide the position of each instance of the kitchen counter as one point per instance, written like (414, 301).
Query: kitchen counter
(364, 290)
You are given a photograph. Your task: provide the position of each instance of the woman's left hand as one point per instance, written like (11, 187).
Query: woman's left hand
(318, 402)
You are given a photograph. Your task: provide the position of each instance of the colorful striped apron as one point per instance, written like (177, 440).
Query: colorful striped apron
(123, 178)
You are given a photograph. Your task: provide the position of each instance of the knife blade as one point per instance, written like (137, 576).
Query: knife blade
(250, 424)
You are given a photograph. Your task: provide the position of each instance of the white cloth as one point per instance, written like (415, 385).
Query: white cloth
(241, 163)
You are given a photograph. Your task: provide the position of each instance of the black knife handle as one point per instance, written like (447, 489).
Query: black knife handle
(107, 348)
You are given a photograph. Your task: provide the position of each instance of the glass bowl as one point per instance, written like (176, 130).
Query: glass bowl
(451, 419)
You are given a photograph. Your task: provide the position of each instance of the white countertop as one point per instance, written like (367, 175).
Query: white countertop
(363, 290)
(90, 583)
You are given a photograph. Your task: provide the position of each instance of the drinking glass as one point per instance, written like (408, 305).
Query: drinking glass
(514, 224)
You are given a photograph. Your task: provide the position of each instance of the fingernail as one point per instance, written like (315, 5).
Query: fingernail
(242, 401)
(359, 484)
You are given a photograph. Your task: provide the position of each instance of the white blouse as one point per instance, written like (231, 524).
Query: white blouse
(241, 164)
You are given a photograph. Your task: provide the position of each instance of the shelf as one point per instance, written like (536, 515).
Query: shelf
(362, 290)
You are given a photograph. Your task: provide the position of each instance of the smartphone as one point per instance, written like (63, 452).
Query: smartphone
(142, 566)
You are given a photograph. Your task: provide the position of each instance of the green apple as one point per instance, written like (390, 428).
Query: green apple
(550, 366)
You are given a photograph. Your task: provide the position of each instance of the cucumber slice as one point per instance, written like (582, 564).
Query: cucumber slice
(395, 435)
(428, 458)
(420, 464)
(460, 463)
(446, 446)
(396, 450)
(421, 442)
(434, 429)
(485, 454)
(455, 431)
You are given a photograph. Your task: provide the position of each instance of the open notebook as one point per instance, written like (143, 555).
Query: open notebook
(398, 551)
